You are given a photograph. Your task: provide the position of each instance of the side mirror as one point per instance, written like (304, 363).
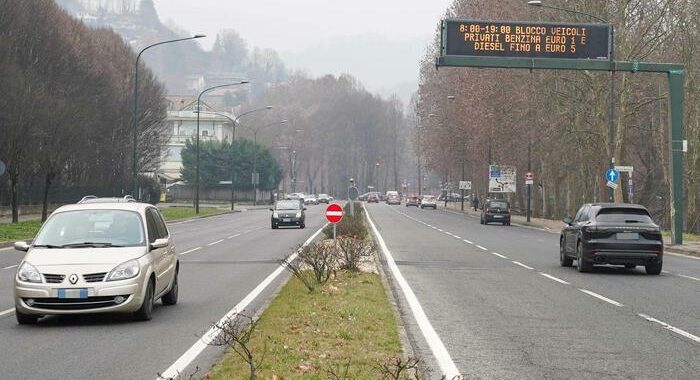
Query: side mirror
(272, 209)
(22, 246)
(568, 220)
(304, 208)
(160, 243)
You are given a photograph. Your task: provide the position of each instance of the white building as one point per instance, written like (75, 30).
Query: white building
(182, 123)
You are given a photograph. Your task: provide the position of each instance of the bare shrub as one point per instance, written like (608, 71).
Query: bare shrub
(235, 333)
(352, 250)
(320, 259)
(180, 376)
(399, 368)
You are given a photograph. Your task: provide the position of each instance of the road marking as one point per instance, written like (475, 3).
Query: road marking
(522, 265)
(672, 328)
(598, 296)
(681, 255)
(447, 366)
(440, 229)
(468, 241)
(215, 243)
(559, 280)
(456, 237)
(6, 249)
(6, 312)
(481, 248)
(190, 251)
(679, 275)
(233, 236)
(499, 255)
(191, 354)
(11, 266)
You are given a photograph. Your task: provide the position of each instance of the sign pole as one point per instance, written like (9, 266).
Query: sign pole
(334, 241)
(462, 191)
(529, 202)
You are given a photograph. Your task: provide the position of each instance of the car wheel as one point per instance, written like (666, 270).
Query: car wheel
(564, 260)
(274, 226)
(26, 319)
(302, 225)
(144, 313)
(581, 264)
(170, 298)
(653, 268)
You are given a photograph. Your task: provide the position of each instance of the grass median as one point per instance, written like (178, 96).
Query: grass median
(175, 213)
(10, 232)
(346, 324)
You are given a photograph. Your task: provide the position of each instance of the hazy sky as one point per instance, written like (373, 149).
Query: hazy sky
(378, 41)
(293, 25)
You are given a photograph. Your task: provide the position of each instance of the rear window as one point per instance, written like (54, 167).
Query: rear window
(498, 204)
(623, 215)
(428, 198)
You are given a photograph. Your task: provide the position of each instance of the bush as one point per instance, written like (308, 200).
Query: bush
(351, 251)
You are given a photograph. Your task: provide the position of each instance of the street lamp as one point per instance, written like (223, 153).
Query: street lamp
(611, 129)
(255, 178)
(199, 100)
(135, 122)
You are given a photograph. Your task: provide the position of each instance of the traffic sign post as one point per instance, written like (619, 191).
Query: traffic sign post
(334, 214)
(353, 194)
(529, 180)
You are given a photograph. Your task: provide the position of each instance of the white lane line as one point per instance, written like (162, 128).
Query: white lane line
(672, 328)
(481, 248)
(456, 237)
(468, 241)
(233, 236)
(598, 296)
(6, 249)
(447, 366)
(9, 311)
(679, 275)
(499, 255)
(681, 255)
(11, 266)
(440, 229)
(559, 280)
(190, 251)
(215, 242)
(522, 265)
(191, 354)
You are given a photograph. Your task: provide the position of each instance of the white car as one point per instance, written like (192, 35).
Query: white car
(98, 256)
(428, 201)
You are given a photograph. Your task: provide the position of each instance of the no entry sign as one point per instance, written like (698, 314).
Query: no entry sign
(334, 213)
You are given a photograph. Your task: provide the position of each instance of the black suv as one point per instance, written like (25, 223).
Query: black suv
(496, 210)
(288, 212)
(611, 233)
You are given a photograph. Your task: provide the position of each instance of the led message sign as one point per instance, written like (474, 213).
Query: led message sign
(524, 39)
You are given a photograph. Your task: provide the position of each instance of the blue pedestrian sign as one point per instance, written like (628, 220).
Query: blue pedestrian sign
(612, 175)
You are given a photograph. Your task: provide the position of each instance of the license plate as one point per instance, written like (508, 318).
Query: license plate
(627, 236)
(286, 220)
(80, 293)
(498, 216)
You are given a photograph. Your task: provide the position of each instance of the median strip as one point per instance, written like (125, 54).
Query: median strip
(602, 298)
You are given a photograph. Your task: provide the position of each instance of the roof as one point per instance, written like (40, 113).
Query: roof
(128, 206)
(619, 205)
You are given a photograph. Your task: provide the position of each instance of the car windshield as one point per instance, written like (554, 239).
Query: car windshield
(287, 205)
(497, 204)
(623, 215)
(429, 198)
(92, 228)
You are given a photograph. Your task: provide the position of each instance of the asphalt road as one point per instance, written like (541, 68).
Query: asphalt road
(503, 308)
(222, 260)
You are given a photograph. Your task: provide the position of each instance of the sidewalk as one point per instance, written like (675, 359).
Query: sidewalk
(690, 248)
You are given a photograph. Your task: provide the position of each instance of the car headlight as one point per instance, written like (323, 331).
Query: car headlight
(298, 215)
(275, 215)
(124, 271)
(28, 273)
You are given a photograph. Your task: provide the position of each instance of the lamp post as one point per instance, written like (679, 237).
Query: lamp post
(611, 128)
(135, 122)
(255, 177)
(199, 100)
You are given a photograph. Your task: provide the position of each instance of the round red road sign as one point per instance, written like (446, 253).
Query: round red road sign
(529, 176)
(334, 213)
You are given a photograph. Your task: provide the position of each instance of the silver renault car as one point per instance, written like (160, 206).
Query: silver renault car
(101, 255)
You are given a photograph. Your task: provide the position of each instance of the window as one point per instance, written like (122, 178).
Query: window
(623, 215)
(151, 226)
(160, 224)
(116, 227)
(585, 214)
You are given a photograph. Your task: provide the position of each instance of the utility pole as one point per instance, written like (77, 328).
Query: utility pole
(529, 186)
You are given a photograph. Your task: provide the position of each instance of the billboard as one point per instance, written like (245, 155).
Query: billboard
(502, 179)
(525, 39)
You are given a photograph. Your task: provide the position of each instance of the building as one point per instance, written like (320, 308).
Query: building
(182, 126)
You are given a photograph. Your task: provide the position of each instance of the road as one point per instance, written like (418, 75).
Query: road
(222, 259)
(502, 307)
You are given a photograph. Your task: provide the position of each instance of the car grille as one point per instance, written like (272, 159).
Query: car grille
(54, 278)
(74, 303)
(94, 277)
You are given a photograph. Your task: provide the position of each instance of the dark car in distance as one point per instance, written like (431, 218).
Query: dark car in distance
(373, 198)
(496, 210)
(289, 212)
(611, 234)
